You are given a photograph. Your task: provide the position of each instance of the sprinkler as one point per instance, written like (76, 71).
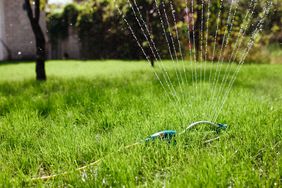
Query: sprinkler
(168, 135)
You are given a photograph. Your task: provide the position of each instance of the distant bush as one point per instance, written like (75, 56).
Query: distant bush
(104, 34)
(58, 23)
(57, 27)
(260, 56)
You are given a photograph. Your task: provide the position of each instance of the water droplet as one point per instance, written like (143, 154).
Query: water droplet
(84, 176)
(104, 181)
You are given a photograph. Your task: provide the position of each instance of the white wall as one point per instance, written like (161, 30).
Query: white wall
(2, 29)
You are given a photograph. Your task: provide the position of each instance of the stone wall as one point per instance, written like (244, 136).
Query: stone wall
(18, 33)
(3, 52)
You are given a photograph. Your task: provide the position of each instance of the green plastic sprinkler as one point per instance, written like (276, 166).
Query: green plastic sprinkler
(168, 135)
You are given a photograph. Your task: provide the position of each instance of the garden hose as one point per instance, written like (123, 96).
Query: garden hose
(166, 135)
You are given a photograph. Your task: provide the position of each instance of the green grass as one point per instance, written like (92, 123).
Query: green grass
(88, 110)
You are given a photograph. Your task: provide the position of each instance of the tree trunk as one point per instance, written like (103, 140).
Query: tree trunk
(198, 29)
(152, 61)
(39, 38)
(40, 55)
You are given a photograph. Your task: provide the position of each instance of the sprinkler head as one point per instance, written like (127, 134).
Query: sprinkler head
(166, 135)
(221, 127)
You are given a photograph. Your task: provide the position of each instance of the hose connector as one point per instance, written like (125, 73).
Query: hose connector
(166, 135)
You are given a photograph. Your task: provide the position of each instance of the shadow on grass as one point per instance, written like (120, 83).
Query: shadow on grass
(16, 62)
(132, 80)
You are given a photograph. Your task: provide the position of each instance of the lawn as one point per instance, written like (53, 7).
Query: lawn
(91, 110)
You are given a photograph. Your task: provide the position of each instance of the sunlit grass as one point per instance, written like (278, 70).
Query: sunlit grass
(88, 110)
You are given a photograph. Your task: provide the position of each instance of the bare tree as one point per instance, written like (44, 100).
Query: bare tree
(34, 18)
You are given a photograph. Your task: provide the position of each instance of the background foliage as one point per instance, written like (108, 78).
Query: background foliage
(103, 33)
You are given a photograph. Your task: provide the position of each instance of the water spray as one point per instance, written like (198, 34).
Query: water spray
(169, 136)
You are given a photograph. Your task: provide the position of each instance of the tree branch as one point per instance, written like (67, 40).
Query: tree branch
(37, 10)
(29, 10)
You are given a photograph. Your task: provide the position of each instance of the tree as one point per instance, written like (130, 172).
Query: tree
(34, 18)
(198, 25)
